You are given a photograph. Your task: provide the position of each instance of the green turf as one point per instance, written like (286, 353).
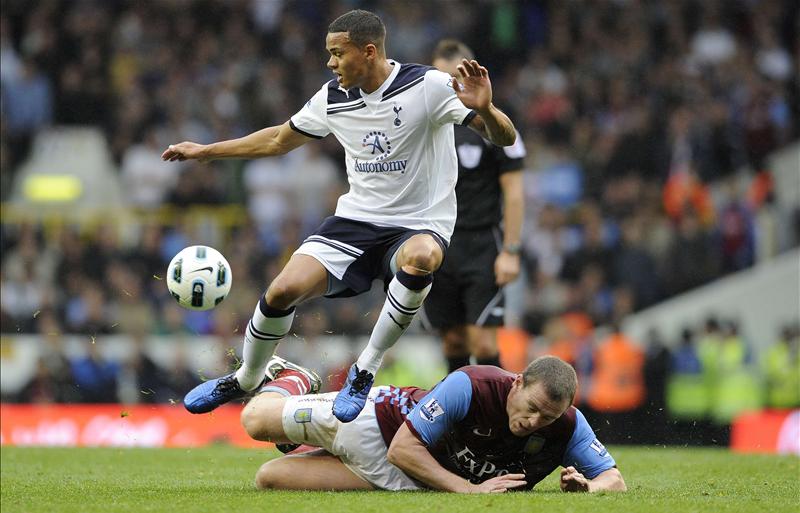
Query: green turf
(218, 479)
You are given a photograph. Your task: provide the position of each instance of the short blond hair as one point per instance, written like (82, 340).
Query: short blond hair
(558, 377)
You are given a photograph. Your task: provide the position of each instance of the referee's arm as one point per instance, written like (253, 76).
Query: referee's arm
(507, 265)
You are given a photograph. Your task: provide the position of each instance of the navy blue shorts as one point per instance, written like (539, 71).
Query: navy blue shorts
(356, 253)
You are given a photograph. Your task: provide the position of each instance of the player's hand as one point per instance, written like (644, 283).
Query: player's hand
(500, 484)
(506, 268)
(573, 481)
(184, 151)
(474, 89)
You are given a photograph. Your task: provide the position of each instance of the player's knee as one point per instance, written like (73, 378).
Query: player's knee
(254, 423)
(268, 476)
(282, 294)
(424, 258)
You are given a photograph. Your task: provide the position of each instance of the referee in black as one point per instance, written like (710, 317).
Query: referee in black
(466, 304)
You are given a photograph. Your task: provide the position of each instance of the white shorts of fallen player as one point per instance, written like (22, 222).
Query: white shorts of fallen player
(308, 419)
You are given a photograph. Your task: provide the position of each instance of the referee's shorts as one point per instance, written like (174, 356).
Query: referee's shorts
(464, 289)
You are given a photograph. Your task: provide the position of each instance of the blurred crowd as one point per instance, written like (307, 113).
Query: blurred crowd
(648, 126)
(680, 391)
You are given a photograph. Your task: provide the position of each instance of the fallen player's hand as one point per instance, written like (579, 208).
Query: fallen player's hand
(573, 481)
(183, 151)
(500, 484)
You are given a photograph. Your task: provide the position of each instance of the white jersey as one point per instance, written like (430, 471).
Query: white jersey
(398, 142)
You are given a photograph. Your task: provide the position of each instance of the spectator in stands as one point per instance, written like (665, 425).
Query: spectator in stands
(688, 396)
(140, 380)
(781, 369)
(42, 388)
(95, 376)
(737, 387)
(27, 107)
(146, 178)
(692, 260)
(89, 312)
(657, 364)
(634, 266)
(736, 232)
(52, 381)
(617, 387)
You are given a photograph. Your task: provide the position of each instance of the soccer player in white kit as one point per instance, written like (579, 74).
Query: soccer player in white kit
(395, 122)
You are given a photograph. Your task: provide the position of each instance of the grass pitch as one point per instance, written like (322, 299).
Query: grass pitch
(219, 479)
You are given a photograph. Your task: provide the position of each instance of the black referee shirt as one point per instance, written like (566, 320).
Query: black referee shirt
(480, 164)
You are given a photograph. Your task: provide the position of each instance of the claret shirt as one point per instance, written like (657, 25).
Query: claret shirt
(464, 425)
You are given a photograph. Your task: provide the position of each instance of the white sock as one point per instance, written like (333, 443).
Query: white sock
(260, 340)
(398, 311)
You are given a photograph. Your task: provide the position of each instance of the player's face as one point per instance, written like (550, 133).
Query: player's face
(530, 408)
(347, 61)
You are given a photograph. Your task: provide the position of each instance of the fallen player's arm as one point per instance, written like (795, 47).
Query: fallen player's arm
(408, 454)
(274, 140)
(609, 480)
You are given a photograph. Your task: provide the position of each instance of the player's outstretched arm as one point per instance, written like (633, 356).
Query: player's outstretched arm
(275, 140)
(475, 92)
(608, 480)
(408, 454)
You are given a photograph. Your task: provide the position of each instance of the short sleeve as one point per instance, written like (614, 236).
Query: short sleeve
(585, 452)
(442, 407)
(312, 119)
(443, 105)
(511, 158)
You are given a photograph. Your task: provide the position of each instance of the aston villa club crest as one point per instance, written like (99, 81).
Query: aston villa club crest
(534, 445)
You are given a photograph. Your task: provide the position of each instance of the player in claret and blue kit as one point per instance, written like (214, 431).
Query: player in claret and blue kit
(480, 430)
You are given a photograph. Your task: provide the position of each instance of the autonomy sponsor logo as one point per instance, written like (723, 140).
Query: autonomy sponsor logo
(380, 147)
(379, 144)
(381, 167)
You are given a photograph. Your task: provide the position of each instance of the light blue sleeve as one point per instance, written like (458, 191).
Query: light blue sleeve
(585, 452)
(445, 405)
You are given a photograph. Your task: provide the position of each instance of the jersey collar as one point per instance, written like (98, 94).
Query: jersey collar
(377, 93)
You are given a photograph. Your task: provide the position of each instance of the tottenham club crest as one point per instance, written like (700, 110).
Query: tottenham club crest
(378, 143)
(396, 108)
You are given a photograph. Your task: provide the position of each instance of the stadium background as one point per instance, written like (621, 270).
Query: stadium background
(663, 163)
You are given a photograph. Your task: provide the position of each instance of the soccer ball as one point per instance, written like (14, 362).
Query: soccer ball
(199, 277)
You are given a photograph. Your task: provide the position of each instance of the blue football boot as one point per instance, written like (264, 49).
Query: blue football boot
(353, 396)
(207, 396)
